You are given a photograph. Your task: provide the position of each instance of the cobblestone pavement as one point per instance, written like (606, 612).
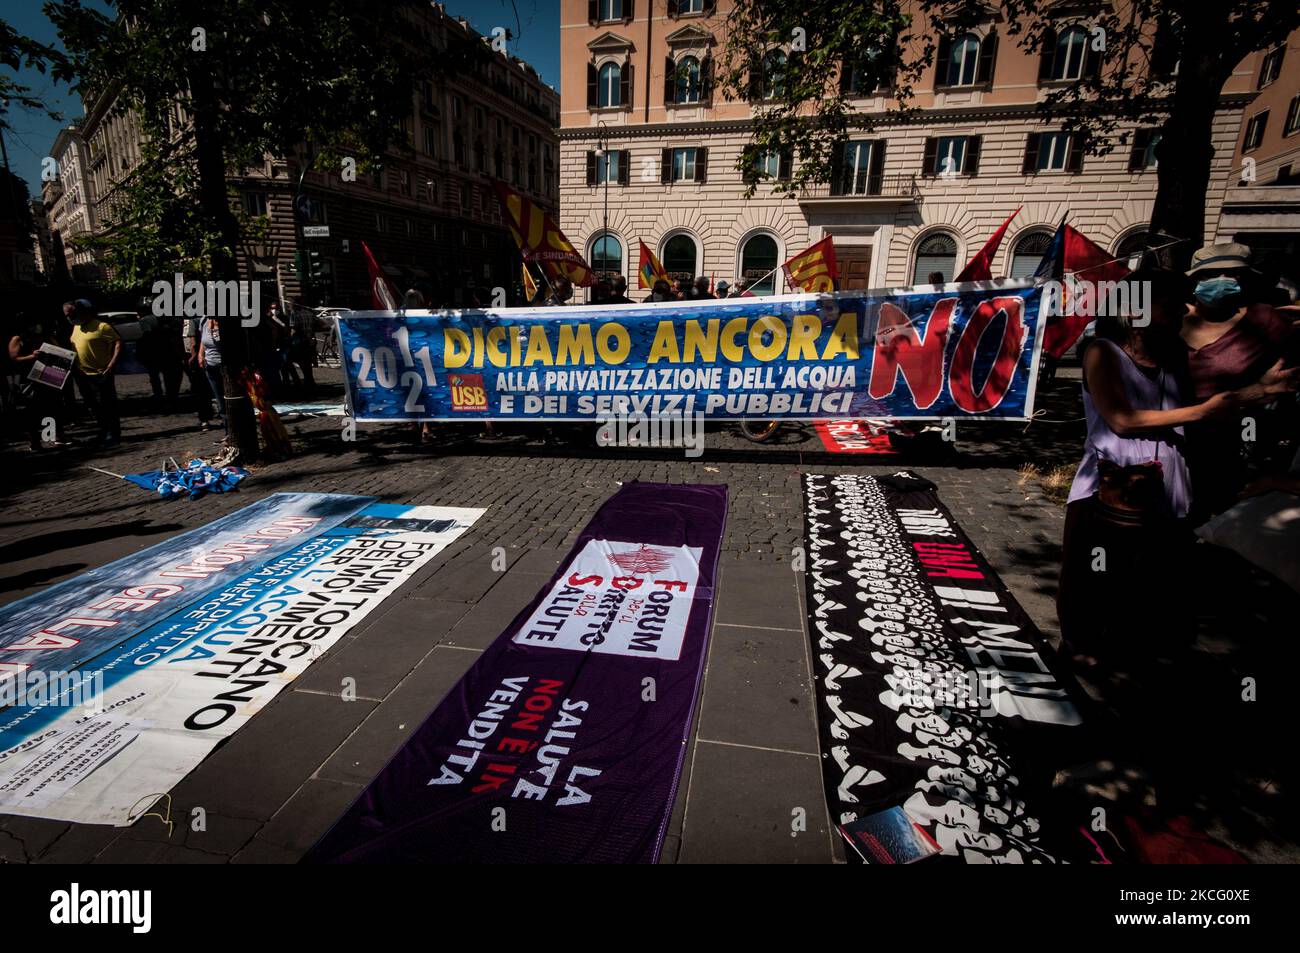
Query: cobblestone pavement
(277, 784)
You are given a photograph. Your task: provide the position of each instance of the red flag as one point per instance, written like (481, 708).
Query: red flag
(980, 267)
(540, 239)
(383, 293)
(1073, 253)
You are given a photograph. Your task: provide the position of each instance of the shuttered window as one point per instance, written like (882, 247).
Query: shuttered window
(937, 252)
(1027, 252)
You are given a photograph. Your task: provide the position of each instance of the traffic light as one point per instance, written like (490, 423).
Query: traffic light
(315, 265)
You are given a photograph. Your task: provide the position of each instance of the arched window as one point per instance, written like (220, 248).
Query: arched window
(963, 65)
(937, 252)
(1027, 252)
(774, 74)
(607, 257)
(1129, 249)
(758, 264)
(611, 74)
(688, 80)
(1071, 53)
(680, 257)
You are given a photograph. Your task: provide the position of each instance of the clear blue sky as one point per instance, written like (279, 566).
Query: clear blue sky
(535, 23)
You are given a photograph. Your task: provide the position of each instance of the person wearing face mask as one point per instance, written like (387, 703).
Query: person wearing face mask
(662, 291)
(1133, 490)
(1231, 336)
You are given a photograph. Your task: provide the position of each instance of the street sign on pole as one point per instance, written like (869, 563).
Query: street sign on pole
(315, 231)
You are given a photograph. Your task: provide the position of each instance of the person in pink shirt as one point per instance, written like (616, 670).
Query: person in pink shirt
(1232, 337)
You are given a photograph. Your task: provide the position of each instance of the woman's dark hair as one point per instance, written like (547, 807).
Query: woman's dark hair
(1165, 290)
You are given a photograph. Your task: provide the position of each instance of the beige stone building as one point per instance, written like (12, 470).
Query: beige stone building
(42, 247)
(429, 214)
(70, 207)
(1261, 206)
(648, 151)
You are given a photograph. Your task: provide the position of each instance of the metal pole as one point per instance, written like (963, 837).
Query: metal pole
(9, 191)
(604, 158)
(305, 282)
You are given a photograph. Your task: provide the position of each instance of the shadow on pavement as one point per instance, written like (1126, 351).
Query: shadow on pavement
(1200, 732)
(33, 546)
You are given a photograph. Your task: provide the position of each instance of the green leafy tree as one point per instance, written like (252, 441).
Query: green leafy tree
(14, 207)
(1164, 65)
(16, 52)
(250, 78)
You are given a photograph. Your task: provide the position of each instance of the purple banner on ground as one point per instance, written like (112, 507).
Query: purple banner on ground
(564, 742)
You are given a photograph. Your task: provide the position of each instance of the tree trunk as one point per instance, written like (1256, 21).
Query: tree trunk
(213, 199)
(1185, 152)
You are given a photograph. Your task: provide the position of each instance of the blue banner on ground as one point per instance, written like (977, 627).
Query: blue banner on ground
(564, 741)
(116, 683)
(968, 350)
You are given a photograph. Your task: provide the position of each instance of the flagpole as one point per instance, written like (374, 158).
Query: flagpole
(761, 280)
(549, 287)
(1145, 251)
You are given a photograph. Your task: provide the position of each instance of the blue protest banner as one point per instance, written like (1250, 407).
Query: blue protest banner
(968, 350)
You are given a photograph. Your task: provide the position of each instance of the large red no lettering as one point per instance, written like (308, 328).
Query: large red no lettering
(961, 383)
(899, 347)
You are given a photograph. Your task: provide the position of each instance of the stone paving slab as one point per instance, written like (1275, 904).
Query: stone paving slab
(757, 690)
(23, 839)
(302, 821)
(80, 844)
(480, 627)
(742, 805)
(378, 657)
(267, 760)
(758, 594)
(388, 726)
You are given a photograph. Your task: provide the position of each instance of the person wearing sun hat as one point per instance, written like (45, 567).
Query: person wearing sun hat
(1232, 336)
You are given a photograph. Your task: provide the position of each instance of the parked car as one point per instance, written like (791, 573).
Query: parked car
(131, 327)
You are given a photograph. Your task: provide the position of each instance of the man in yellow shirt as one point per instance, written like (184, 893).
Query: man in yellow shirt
(98, 347)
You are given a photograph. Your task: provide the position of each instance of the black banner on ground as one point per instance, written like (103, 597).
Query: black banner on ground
(936, 693)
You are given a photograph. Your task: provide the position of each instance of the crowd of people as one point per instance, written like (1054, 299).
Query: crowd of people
(1187, 414)
(170, 351)
(561, 292)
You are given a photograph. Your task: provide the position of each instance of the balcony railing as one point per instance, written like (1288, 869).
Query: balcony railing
(865, 187)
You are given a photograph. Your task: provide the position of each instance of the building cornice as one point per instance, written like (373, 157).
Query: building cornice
(955, 115)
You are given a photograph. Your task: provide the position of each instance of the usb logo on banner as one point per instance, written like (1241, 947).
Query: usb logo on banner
(468, 392)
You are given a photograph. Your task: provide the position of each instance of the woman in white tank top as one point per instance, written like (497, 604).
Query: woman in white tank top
(1117, 570)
